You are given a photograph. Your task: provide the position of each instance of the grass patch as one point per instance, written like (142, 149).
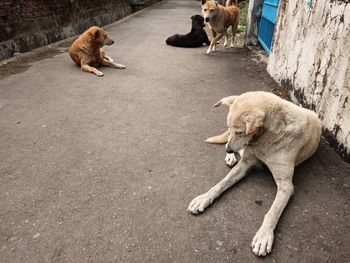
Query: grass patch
(243, 6)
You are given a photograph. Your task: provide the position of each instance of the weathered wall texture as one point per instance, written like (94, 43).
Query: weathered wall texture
(311, 56)
(27, 24)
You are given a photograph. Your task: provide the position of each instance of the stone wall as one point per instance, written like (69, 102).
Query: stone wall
(28, 24)
(311, 57)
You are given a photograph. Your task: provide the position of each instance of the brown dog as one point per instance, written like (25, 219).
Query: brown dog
(220, 18)
(86, 51)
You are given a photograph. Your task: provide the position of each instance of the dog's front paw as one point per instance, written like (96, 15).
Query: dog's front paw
(122, 66)
(198, 204)
(209, 50)
(262, 242)
(231, 159)
(232, 45)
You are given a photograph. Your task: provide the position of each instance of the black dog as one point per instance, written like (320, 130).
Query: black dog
(195, 38)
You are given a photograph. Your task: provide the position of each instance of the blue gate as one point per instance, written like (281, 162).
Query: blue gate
(267, 23)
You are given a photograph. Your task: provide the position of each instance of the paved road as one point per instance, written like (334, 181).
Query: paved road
(102, 169)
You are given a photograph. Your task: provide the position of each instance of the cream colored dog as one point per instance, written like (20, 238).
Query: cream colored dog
(273, 131)
(220, 18)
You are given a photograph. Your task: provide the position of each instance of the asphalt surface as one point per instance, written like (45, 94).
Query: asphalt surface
(103, 169)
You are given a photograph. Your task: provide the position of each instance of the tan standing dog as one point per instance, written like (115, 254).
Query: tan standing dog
(270, 130)
(220, 18)
(87, 51)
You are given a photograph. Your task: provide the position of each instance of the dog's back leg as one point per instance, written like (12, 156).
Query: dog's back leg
(234, 29)
(87, 68)
(226, 38)
(222, 138)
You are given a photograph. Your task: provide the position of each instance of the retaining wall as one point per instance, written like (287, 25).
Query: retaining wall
(310, 56)
(28, 24)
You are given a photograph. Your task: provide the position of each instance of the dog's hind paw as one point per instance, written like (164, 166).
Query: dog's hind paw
(262, 242)
(99, 73)
(231, 159)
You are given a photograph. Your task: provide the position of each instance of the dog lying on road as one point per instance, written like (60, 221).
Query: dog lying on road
(220, 18)
(87, 51)
(270, 130)
(195, 38)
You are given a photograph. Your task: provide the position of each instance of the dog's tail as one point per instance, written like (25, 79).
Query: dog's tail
(222, 138)
(231, 2)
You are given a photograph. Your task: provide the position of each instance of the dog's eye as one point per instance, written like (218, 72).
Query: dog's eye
(205, 10)
(211, 10)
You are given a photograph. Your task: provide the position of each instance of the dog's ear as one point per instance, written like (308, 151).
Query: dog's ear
(226, 101)
(97, 33)
(203, 2)
(201, 20)
(253, 121)
(216, 3)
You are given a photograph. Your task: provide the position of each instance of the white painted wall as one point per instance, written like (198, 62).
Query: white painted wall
(311, 54)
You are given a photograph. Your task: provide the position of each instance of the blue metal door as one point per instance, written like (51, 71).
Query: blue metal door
(267, 23)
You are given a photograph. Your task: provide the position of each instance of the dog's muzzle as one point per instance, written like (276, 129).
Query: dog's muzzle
(207, 19)
(110, 42)
(230, 149)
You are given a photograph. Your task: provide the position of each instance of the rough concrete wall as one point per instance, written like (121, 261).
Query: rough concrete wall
(311, 56)
(21, 16)
(27, 24)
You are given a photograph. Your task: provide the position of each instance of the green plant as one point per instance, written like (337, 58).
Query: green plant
(243, 6)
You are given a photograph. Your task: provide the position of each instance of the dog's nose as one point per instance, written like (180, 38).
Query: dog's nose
(207, 19)
(112, 41)
(228, 148)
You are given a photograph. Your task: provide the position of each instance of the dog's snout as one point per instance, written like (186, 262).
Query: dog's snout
(207, 19)
(109, 41)
(228, 148)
